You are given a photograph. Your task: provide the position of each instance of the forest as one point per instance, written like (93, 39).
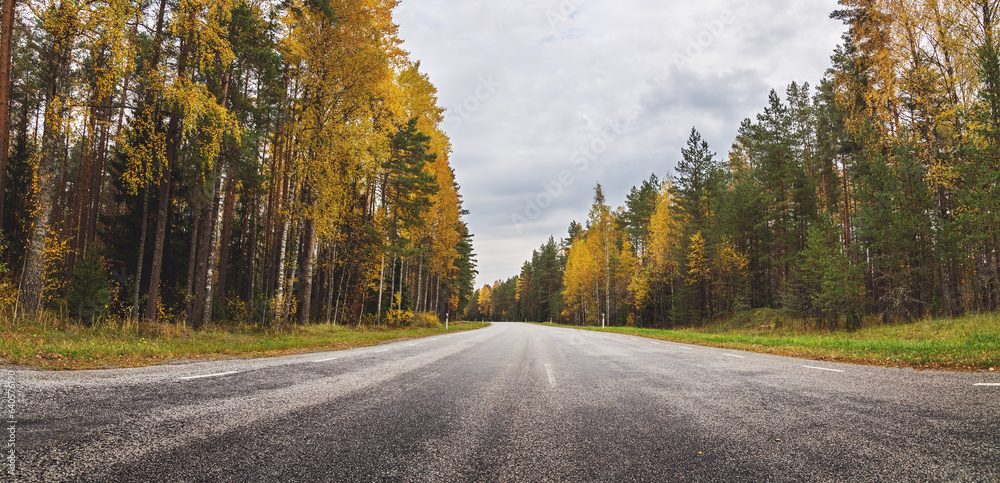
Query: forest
(198, 161)
(873, 196)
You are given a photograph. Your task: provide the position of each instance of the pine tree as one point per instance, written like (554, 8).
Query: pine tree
(89, 290)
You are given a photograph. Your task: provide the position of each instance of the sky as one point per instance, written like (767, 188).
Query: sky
(547, 98)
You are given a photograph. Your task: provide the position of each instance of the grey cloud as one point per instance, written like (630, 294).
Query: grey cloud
(608, 61)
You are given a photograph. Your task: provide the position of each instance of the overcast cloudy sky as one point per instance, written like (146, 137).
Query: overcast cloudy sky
(547, 98)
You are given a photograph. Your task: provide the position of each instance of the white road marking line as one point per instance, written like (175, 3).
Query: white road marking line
(188, 378)
(687, 348)
(552, 377)
(988, 384)
(327, 360)
(411, 345)
(734, 355)
(822, 369)
(383, 350)
(657, 343)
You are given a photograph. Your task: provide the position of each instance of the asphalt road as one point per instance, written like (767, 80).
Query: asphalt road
(511, 402)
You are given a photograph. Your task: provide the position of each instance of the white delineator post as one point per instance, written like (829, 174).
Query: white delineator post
(446, 316)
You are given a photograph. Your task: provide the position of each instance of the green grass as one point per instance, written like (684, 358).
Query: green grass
(63, 346)
(970, 343)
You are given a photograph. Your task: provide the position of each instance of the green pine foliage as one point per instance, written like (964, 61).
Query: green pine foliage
(89, 292)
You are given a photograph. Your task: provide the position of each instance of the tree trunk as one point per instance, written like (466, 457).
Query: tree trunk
(6, 35)
(142, 252)
(173, 144)
(32, 283)
(192, 261)
(248, 248)
(381, 288)
(437, 295)
(224, 241)
(330, 272)
(213, 254)
(208, 244)
(418, 302)
(308, 258)
(98, 181)
(392, 282)
(293, 258)
(162, 212)
(78, 212)
(205, 232)
(279, 302)
(340, 290)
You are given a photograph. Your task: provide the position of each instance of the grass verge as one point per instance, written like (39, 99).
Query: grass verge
(970, 343)
(72, 347)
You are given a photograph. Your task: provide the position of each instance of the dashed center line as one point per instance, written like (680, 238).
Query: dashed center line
(687, 348)
(327, 360)
(383, 350)
(655, 343)
(411, 345)
(822, 369)
(552, 377)
(734, 355)
(220, 374)
(988, 384)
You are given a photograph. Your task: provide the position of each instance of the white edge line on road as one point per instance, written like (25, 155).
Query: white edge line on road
(687, 348)
(657, 343)
(988, 384)
(188, 378)
(822, 369)
(734, 355)
(552, 377)
(383, 350)
(411, 345)
(327, 360)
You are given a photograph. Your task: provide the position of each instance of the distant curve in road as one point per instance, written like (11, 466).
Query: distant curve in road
(511, 402)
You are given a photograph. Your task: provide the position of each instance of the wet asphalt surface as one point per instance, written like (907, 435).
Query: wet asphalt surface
(511, 402)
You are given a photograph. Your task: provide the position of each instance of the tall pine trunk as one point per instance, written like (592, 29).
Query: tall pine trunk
(418, 303)
(229, 205)
(332, 264)
(204, 240)
(162, 212)
(6, 36)
(381, 288)
(56, 87)
(308, 262)
(192, 261)
(142, 252)
(163, 209)
(212, 213)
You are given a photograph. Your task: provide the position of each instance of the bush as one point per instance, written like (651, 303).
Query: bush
(369, 320)
(397, 319)
(8, 292)
(426, 320)
(89, 291)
